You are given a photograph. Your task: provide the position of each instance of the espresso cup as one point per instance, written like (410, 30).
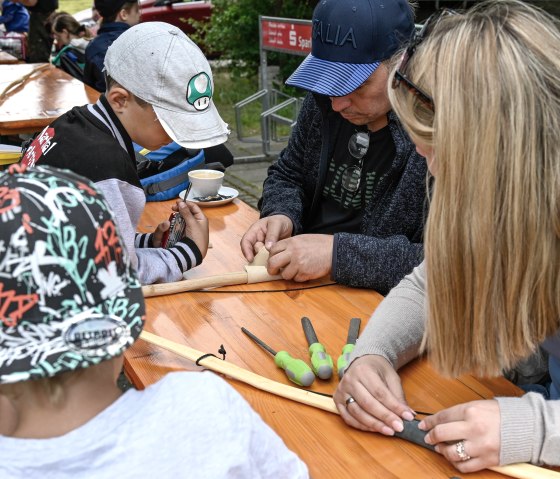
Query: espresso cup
(205, 182)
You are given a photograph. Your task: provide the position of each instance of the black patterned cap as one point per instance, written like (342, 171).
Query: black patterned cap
(69, 297)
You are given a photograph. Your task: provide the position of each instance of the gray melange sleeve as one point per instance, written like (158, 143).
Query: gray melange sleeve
(284, 191)
(530, 425)
(154, 265)
(396, 327)
(530, 430)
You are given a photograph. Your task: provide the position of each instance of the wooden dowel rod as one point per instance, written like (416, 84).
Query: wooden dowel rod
(520, 471)
(526, 471)
(226, 279)
(248, 377)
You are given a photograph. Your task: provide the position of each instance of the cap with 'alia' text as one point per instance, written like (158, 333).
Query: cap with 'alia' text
(349, 41)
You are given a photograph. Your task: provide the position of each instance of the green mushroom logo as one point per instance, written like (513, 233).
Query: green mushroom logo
(199, 91)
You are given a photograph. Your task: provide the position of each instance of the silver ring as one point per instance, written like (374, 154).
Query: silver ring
(460, 448)
(349, 401)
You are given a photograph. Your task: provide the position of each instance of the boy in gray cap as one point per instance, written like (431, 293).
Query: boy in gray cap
(159, 89)
(347, 195)
(70, 305)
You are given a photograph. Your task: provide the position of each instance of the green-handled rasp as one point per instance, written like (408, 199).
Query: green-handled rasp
(296, 369)
(321, 362)
(353, 332)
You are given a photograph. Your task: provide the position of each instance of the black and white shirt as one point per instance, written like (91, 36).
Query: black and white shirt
(92, 142)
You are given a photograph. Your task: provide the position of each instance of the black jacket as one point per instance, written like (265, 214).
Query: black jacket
(390, 243)
(96, 51)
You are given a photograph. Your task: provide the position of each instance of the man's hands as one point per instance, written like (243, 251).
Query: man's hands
(298, 258)
(380, 405)
(302, 257)
(476, 424)
(267, 230)
(196, 226)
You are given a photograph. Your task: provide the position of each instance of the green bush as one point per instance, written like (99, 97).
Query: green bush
(233, 32)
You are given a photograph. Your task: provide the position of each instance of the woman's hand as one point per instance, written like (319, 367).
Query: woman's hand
(379, 404)
(476, 425)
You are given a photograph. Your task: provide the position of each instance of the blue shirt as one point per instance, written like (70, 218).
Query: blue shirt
(96, 51)
(15, 17)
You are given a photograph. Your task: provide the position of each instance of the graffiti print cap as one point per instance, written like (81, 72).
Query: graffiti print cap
(159, 64)
(69, 297)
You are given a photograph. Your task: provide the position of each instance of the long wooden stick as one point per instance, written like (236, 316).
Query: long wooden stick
(248, 377)
(22, 80)
(226, 279)
(520, 471)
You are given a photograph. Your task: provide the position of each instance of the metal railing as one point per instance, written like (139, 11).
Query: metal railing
(283, 112)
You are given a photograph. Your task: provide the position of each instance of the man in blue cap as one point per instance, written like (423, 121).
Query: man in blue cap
(347, 195)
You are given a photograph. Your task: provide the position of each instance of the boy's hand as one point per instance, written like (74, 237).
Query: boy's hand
(196, 224)
(157, 235)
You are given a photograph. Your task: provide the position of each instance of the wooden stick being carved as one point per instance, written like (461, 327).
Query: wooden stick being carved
(520, 471)
(248, 377)
(254, 272)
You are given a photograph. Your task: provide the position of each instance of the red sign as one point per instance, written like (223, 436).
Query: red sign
(284, 35)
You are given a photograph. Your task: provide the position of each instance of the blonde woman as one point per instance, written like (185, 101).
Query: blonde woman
(479, 95)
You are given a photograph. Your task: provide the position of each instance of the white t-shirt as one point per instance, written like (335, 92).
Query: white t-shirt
(187, 425)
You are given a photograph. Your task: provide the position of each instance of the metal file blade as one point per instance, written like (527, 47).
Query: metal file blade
(310, 334)
(353, 330)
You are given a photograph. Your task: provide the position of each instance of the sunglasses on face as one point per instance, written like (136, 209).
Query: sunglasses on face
(400, 77)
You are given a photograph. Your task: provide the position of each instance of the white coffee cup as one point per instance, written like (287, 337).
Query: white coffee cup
(205, 182)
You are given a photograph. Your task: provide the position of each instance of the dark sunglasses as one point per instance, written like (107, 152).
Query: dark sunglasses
(400, 77)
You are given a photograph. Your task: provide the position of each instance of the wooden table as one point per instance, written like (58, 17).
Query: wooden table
(37, 101)
(205, 320)
(7, 59)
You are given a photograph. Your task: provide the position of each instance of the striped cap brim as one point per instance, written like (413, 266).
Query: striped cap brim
(330, 78)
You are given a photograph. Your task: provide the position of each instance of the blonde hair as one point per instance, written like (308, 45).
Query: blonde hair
(493, 233)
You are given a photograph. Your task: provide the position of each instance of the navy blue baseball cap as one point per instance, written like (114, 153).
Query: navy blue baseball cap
(350, 39)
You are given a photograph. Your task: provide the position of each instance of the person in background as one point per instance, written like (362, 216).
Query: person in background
(488, 294)
(347, 197)
(67, 31)
(96, 140)
(95, 21)
(15, 17)
(71, 40)
(77, 307)
(39, 43)
(117, 17)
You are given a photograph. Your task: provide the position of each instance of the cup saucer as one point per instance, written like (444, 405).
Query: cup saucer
(224, 191)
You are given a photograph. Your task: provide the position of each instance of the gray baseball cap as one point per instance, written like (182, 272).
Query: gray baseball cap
(159, 64)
